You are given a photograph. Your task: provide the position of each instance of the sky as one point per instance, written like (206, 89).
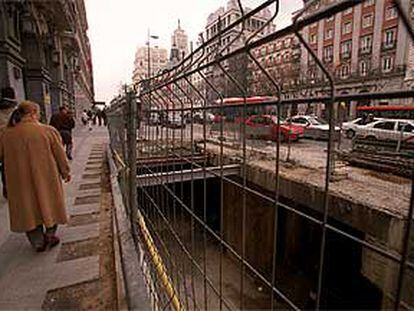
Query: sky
(118, 27)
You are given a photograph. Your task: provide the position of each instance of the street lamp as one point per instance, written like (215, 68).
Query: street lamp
(149, 37)
(149, 51)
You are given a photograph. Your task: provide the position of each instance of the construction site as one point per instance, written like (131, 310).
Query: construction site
(227, 214)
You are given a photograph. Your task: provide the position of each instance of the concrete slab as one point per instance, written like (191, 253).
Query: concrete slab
(89, 192)
(85, 209)
(79, 233)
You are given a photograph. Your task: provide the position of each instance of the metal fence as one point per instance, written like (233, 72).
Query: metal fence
(236, 209)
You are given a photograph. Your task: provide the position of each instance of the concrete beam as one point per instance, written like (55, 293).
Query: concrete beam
(146, 180)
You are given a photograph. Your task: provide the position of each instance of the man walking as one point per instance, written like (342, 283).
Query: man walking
(64, 122)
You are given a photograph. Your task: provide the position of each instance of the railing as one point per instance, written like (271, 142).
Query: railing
(291, 225)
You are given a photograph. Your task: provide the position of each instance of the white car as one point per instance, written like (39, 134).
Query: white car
(175, 121)
(387, 129)
(313, 126)
(349, 128)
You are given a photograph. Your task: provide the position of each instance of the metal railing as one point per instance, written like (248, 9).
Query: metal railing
(248, 214)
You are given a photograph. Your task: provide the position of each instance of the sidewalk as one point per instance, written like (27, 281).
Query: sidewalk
(79, 273)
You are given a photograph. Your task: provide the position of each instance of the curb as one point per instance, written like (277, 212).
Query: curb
(131, 286)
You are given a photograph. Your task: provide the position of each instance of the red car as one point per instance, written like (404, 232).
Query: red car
(265, 127)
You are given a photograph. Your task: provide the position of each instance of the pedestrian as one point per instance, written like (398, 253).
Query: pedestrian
(99, 115)
(94, 117)
(90, 117)
(104, 117)
(64, 122)
(84, 117)
(35, 163)
(7, 104)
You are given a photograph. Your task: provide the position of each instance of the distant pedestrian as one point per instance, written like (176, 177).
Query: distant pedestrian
(104, 117)
(99, 116)
(64, 122)
(35, 163)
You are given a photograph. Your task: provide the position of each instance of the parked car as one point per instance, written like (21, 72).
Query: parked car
(154, 119)
(198, 117)
(313, 126)
(349, 128)
(265, 127)
(387, 129)
(174, 121)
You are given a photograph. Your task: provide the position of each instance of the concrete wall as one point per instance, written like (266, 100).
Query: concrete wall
(381, 228)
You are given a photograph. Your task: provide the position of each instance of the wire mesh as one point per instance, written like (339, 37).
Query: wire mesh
(256, 186)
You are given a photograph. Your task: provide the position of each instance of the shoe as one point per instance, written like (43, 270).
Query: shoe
(41, 249)
(70, 157)
(52, 240)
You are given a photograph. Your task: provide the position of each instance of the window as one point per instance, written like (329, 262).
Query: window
(391, 13)
(328, 53)
(346, 28)
(278, 57)
(390, 36)
(405, 127)
(329, 33)
(387, 125)
(279, 45)
(299, 121)
(346, 48)
(387, 63)
(344, 72)
(366, 43)
(287, 42)
(363, 68)
(367, 20)
(313, 38)
(368, 3)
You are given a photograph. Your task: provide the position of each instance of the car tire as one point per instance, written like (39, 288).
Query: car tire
(350, 134)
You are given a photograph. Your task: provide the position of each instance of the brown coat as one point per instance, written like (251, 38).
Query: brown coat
(35, 163)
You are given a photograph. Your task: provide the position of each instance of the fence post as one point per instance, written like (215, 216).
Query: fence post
(132, 157)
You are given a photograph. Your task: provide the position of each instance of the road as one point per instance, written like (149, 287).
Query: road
(305, 152)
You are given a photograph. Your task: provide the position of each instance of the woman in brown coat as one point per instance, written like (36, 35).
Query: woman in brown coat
(35, 164)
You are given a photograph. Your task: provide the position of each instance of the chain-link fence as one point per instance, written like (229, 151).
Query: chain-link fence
(263, 185)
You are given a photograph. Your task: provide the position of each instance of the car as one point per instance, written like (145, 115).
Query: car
(266, 127)
(387, 129)
(349, 128)
(174, 121)
(198, 117)
(313, 126)
(154, 119)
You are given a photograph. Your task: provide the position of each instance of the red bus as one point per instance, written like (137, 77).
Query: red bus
(234, 113)
(391, 112)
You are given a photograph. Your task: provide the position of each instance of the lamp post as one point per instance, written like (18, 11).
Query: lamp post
(149, 37)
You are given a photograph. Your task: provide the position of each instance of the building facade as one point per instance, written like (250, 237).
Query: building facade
(229, 41)
(179, 46)
(45, 53)
(149, 60)
(365, 47)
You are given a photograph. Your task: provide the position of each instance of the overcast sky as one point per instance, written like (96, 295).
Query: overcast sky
(118, 27)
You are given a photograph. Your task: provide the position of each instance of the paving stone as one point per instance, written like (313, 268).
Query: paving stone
(85, 209)
(93, 169)
(89, 192)
(79, 233)
(91, 176)
(90, 186)
(87, 199)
